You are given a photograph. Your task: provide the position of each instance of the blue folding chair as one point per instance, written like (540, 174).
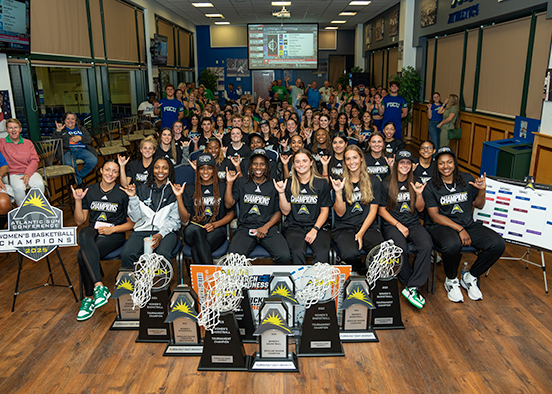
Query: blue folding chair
(183, 174)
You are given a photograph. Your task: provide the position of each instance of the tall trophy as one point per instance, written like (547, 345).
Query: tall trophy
(128, 317)
(272, 334)
(357, 307)
(185, 335)
(282, 285)
(244, 318)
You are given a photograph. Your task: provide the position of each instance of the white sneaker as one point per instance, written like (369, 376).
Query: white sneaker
(469, 282)
(452, 286)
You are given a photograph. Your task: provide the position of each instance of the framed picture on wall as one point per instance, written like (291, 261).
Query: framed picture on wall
(429, 12)
(237, 68)
(394, 23)
(380, 24)
(369, 34)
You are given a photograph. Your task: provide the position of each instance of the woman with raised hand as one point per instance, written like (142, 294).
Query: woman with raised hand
(450, 112)
(305, 200)
(138, 170)
(357, 199)
(106, 206)
(434, 118)
(376, 110)
(401, 200)
(332, 164)
(200, 205)
(378, 164)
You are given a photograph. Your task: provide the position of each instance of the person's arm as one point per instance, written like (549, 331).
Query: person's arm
(121, 228)
(480, 184)
(229, 201)
(80, 214)
(437, 218)
(220, 223)
(263, 230)
(86, 136)
(404, 112)
(381, 108)
(385, 215)
(419, 190)
(449, 119)
(313, 233)
(3, 172)
(366, 224)
(125, 180)
(178, 191)
(285, 206)
(172, 221)
(443, 107)
(180, 115)
(339, 205)
(32, 165)
(429, 112)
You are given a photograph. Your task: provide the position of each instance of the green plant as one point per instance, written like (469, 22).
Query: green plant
(357, 69)
(343, 80)
(410, 87)
(208, 79)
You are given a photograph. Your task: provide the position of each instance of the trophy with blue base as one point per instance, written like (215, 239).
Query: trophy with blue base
(357, 307)
(128, 317)
(273, 338)
(182, 319)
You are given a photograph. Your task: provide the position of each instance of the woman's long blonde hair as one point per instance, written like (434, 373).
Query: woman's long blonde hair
(365, 185)
(294, 177)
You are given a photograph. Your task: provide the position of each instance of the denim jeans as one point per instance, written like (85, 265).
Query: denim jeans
(434, 132)
(90, 161)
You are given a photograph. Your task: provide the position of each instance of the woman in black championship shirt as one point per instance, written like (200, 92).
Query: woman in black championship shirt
(401, 200)
(357, 198)
(449, 198)
(423, 167)
(201, 206)
(378, 164)
(138, 170)
(258, 210)
(305, 200)
(107, 205)
(332, 165)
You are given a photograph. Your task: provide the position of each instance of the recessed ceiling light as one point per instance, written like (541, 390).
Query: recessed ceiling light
(359, 2)
(348, 13)
(338, 22)
(202, 5)
(222, 23)
(214, 15)
(331, 27)
(281, 3)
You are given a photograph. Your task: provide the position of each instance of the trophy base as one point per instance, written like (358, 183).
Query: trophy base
(180, 349)
(125, 325)
(390, 323)
(289, 364)
(227, 367)
(320, 352)
(368, 335)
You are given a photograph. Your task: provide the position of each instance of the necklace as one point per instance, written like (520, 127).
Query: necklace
(450, 190)
(258, 188)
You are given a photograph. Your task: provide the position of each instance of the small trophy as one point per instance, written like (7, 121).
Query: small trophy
(272, 336)
(182, 319)
(357, 307)
(128, 318)
(282, 285)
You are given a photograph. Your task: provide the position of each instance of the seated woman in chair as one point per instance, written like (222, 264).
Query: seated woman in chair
(6, 193)
(77, 144)
(22, 160)
(449, 198)
(107, 205)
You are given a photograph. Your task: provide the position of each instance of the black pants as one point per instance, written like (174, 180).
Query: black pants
(490, 244)
(348, 247)
(202, 243)
(134, 248)
(93, 248)
(295, 237)
(273, 242)
(414, 275)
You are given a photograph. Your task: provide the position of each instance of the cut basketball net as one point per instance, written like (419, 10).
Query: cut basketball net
(383, 261)
(223, 289)
(151, 271)
(318, 282)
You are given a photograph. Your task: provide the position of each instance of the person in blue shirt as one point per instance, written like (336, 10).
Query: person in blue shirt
(395, 108)
(313, 96)
(232, 95)
(434, 118)
(169, 107)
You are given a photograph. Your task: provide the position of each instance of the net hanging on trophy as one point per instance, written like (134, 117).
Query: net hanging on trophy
(384, 261)
(319, 282)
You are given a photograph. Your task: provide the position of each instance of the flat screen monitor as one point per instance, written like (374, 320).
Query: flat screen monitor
(277, 47)
(15, 32)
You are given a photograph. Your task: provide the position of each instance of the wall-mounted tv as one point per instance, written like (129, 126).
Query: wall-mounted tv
(158, 49)
(15, 31)
(288, 46)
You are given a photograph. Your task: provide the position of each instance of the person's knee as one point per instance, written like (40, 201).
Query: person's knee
(5, 203)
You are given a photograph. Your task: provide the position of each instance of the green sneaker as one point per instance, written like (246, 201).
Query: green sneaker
(101, 295)
(419, 295)
(411, 294)
(86, 310)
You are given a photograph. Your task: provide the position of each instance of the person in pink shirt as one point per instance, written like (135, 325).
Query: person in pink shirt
(22, 161)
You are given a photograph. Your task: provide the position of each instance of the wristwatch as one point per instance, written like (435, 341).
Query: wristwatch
(315, 228)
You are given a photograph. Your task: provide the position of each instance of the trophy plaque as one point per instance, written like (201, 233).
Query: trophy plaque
(320, 336)
(185, 335)
(152, 318)
(272, 336)
(128, 317)
(387, 315)
(357, 308)
(282, 285)
(244, 318)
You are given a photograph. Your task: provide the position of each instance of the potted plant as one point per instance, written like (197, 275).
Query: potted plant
(208, 79)
(410, 86)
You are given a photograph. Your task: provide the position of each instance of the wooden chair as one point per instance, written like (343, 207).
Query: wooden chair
(105, 146)
(131, 133)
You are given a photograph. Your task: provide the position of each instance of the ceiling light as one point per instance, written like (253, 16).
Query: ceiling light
(202, 5)
(281, 3)
(338, 22)
(347, 13)
(331, 27)
(359, 2)
(214, 15)
(222, 23)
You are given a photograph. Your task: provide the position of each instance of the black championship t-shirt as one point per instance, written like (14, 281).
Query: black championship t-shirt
(257, 203)
(404, 210)
(305, 207)
(244, 152)
(108, 207)
(422, 174)
(137, 172)
(453, 200)
(356, 213)
(377, 167)
(168, 154)
(208, 201)
(336, 168)
(393, 147)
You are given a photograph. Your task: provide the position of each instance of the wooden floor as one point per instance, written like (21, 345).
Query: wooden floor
(500, 344)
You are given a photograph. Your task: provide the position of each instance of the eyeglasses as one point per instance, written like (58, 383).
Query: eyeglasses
(426, 148)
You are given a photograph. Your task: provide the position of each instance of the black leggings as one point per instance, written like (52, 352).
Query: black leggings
(273, 242)
(417, 274)
(295, 237)
(348, 247)
(93, 248)
(134, 248)
(490, 244)
(202, 243)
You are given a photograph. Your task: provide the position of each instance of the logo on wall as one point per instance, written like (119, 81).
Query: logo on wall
(35, 229)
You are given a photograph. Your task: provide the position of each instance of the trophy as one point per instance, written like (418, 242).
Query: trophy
(318, 288)
(128, 317)
(282, 285)
(357, 307)
(185, 336)
(244, 317)
(272, 334)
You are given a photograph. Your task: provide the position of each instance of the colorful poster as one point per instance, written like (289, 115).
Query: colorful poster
(237, 68)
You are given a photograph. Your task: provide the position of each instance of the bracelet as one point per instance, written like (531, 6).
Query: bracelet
(325, 176)
(396, 223)
(461, 230)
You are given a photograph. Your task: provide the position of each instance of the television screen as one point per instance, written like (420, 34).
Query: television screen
(159, 50)
(276, 46)
(15, 32)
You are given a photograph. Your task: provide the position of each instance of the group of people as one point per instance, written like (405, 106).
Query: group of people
(442, 118)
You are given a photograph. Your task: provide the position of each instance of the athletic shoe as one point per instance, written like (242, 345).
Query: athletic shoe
(452, 286)
(101, 295)
(411, 294)
(420, 298)
(86, 309)
(469, 282)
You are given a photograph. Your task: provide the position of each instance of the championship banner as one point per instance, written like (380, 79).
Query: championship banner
(35, 229)
(259, 289)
